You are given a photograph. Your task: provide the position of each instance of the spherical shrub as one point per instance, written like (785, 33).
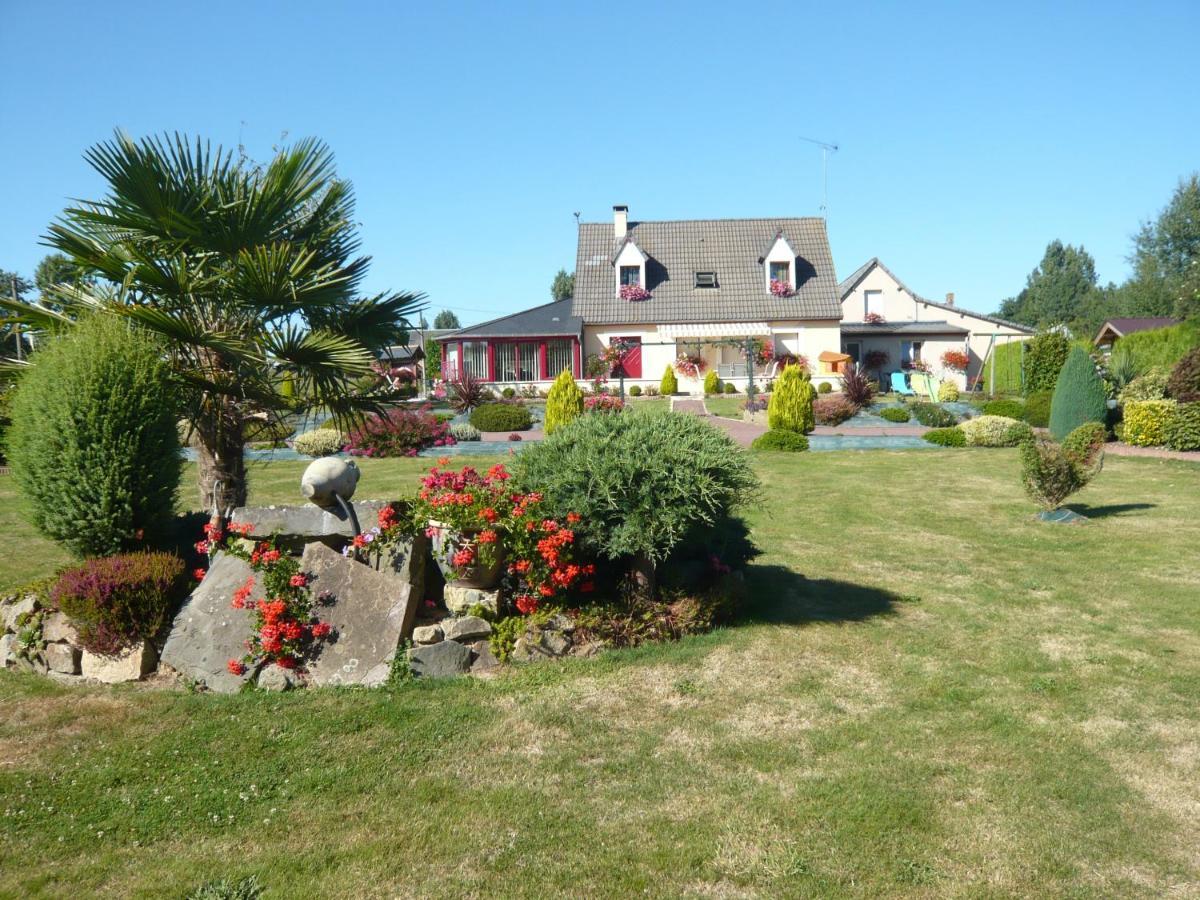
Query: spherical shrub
(116, 601)
(995, 431)
(319, 442)
(1037, 408)
(1079, 395)
(946, 437)
(508, 393)
(1150, 385)
(730, 388)
(933, 416)
(948, 392)
(895, 414)
(791, 405)
(464, 431)
(1010, 409)
(1146, 422)
(501, 417)
(787, 441)
(564, 402)
(635, 391)
(1184, 383)
(833, 410)
(669, 384)
(712, 382)
(639, 483)
(825, 388)
(1182, 431)
(94, 444)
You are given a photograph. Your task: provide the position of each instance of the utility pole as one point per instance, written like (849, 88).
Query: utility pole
(17, 325)
(826, 149)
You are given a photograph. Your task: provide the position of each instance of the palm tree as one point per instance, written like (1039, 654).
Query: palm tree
(249, 272)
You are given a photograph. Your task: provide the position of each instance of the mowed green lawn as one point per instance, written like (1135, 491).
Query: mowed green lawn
(935, 696)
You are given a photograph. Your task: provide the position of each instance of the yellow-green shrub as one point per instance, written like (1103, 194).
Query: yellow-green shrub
(712, 382)
(1146, 422)
(564, 402)
(670, 384)
(947, 392)
(791, 405)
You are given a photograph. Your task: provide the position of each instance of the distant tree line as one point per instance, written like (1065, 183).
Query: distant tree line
(1064, 289)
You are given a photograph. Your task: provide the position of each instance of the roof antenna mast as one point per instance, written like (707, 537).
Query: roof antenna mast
(826, 149)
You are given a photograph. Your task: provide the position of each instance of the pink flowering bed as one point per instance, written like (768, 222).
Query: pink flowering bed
(399, 432)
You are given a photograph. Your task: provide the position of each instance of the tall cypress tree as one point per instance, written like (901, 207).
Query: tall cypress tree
(1079, 395)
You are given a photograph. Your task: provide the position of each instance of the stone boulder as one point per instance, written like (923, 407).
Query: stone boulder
(442, 660)
(11, 612)
(406, 561)
(368, 613)
(133, 664)
(8, 650)
(459, 598)
(208, 632)
(63, 658)
(427, 634)
(466, 629)
(293, 527)
(57, 627)
(485, 661)
(277, 678)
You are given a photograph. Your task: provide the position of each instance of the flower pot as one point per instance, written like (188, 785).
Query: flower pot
(447, 541)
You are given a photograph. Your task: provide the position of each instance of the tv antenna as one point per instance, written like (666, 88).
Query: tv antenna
(826, 149)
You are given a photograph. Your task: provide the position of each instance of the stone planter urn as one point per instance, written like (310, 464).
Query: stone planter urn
(447, 541)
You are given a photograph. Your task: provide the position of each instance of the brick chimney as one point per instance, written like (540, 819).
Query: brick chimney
(950, 299)
(620, 221)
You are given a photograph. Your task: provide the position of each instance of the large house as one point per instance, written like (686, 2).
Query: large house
(655, 293)
(696, 295)
(888, 327)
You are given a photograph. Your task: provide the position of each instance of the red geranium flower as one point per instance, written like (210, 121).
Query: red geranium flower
(199, 574)
(298, 581)
(235, 667)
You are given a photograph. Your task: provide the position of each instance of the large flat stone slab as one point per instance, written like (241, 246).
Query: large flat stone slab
(444, 660)
(208, 632)
(368, 612)
(133, 664)
(295, 526)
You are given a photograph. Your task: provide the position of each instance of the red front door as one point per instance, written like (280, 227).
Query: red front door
(631, 359)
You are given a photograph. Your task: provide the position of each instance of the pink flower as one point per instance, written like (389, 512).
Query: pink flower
(298, 581)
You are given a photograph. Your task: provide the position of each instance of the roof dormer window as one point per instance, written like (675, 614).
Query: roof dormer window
(706, 279)
(631, 275)
(779, 267)
(782, 271)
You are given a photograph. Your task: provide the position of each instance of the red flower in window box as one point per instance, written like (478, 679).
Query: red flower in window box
(634, 292)
(874, 318)
(956, 360)
(780, 288)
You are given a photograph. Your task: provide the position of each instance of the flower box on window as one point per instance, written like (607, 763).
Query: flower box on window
(956, 360)
(874, 318)
(780, 288)
(690, 366)
(634, 292)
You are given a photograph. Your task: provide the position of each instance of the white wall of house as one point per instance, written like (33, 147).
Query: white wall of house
(898, 305)
(932, 348)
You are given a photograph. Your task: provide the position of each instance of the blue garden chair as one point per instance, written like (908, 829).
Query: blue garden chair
(900, 385)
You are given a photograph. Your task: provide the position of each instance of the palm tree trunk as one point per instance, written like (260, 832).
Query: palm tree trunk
(222, 466)
(644, 573)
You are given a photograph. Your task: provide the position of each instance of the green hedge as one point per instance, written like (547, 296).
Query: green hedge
(501, 417)
(1162, 346)
(1037, 408)
(1011, 409)
(1182, 431)
(776, 439)
(946, 437)
(1005, 364)
(931, 415)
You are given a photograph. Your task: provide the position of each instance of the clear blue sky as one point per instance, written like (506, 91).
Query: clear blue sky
(971, 134)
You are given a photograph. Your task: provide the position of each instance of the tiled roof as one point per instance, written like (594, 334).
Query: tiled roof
(547, 319)
(902, 328)
(1124, 326)
(860, 273)
(732, 248)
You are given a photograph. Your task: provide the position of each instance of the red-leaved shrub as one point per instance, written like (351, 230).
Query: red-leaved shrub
(856, 386)
(399, 432)
(116, 601)
(833, 410)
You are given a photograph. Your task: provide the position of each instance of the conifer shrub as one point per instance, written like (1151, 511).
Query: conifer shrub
(669, 384)
(786, 441)
(1146, 422)
(1052, 472)
(825, 388)
(1182, 431)
(94, 444)
(1079, 395)
(116, 601)
(946, 437)
(1184, 382)
(791, 405)
(948, 392)
(638, 484)
(501, 417)
(564, 402)
(1037, 408)
(712, 382)
(1045, 355)
(895, 414)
